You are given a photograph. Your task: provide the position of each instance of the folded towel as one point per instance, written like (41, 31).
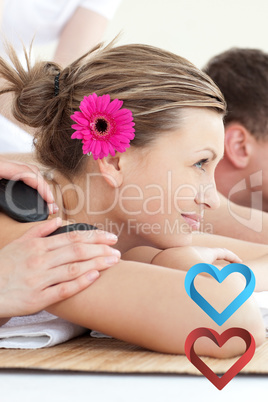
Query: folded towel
(37, 331)
(262, 301)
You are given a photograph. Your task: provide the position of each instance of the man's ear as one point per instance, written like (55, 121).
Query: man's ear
(110, 168)
(238, 145)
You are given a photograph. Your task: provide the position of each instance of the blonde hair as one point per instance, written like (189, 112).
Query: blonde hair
(152, 83)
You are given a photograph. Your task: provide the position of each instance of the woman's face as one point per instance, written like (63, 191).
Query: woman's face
(173, 180)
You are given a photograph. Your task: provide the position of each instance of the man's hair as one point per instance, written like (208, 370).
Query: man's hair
(242, 76)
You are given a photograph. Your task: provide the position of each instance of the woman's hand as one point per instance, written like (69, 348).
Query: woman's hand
(30, 175)
(210, 255)
(38, 271)
(185, 257)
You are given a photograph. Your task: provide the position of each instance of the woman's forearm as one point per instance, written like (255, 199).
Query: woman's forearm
(179, 258)
(147, 305)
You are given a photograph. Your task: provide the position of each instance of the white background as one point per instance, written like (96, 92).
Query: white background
(195, 29)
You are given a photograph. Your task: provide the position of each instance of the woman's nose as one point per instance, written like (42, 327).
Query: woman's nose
(208, 195)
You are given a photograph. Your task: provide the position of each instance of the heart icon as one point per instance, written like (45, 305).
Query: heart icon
(220, 340)
(219, 275)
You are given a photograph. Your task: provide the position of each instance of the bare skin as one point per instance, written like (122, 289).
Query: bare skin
(82, 32)
(237, 221)
(30, 175)
(142, 300)
(240, 223)
(35, 271)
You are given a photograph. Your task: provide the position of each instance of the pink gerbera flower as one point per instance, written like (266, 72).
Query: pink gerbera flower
(103, 126)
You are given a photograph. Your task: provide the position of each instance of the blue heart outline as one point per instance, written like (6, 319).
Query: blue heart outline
(219, 275)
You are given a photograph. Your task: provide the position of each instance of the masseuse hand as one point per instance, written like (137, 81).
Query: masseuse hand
(38, 271)
(30, 175)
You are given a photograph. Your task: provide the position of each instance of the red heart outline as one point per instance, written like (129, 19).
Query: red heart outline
(220, 340)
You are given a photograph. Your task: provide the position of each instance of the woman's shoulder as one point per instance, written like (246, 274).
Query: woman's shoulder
(11, 229)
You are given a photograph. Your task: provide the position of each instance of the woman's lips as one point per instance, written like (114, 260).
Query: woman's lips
(193, 220)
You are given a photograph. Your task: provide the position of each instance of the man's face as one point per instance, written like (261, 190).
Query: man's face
(258, 172)
(244, 179)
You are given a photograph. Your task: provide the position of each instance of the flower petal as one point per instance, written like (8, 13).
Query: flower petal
(86, 148)
(123, 114)
(102, 103)
(105, 148)
(120, 125)
(87, 108)
(77, 127)
(79, 118)
(97, 149)
(114, 106)
(77, 135)
(111, 149)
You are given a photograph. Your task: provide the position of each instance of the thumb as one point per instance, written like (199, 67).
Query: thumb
(42, 229)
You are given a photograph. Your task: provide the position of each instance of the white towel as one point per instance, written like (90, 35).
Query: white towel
(37, 331)
(13, 138)
(262, 301)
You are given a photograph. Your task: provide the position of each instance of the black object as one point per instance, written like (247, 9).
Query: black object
(57, 85)
(21, 202)
(72, 227)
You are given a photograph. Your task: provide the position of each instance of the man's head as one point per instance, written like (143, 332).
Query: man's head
(242, 76)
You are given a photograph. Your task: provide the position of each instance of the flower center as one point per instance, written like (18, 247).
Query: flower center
(102, 126)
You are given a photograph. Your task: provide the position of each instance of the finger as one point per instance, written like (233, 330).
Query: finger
(34, 179)
(62, 291)
(37, 182)
(8, 169)
(80, 236)
(42, 229)
(69, 272)
(78, 252)
(30, 175)
(232, 257)
(224, 254)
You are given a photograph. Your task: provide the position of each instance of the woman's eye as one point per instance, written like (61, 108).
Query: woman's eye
(201, 163)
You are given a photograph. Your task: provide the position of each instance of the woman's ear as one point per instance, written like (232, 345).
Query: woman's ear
(110, 168)
(238, 145)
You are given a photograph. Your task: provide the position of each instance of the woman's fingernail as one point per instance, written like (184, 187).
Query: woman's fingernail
(51, 196)
(93, 275)
(110, 260)
(50, 208)
(55, 207)
(116, 252)
(111, 236)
